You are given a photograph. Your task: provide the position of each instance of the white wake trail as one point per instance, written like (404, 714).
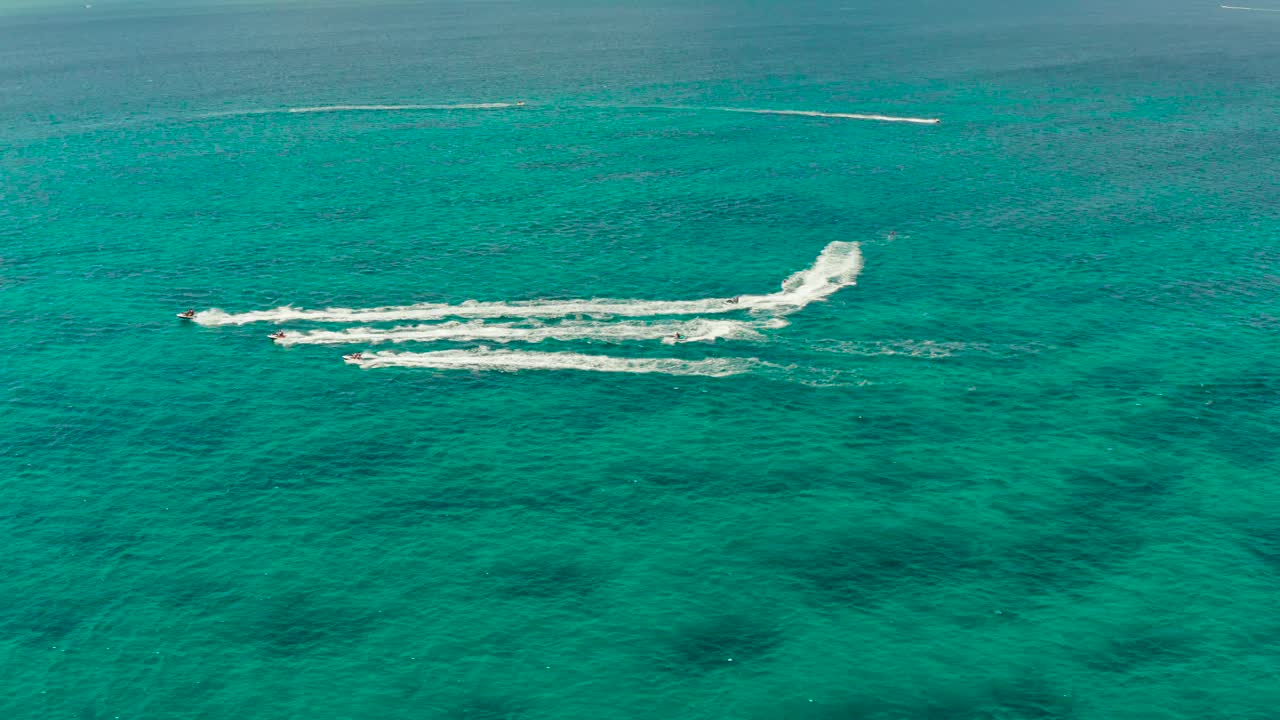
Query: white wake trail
(836, 267)
(357, 108)
(485, 360)
(397, 108)
(690, 331)
(515, 360)
(843, 116)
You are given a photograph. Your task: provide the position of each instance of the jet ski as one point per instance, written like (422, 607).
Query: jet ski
(276, 335)
(188, 314)
(353, 357)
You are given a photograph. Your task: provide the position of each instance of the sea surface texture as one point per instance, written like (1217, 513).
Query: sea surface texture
(701, 375)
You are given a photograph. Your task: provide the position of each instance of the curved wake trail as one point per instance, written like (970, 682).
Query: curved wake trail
(691, 330)
(842, 116)
(515, 360)
(836, 267)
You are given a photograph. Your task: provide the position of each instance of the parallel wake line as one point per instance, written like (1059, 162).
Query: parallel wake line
(514, 360)
(836, 267)
(691, 330)
(1237, 7)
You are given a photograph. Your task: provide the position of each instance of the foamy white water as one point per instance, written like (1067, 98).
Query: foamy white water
(690, 330)
(515, 360)
(836, 267)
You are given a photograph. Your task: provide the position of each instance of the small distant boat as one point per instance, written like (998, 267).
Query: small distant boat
(188, 314)
(277, 335)
(353, 357)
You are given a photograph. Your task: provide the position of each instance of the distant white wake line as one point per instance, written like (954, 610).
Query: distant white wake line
(843, 116)
(395, 108)
(359, 108)
(514, 360)
(804, 113)
(836, 267)
(1237, 7)
(691, 330)
(504, 105)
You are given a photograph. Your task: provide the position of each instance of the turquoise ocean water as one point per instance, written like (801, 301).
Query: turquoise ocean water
(1025, 467)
